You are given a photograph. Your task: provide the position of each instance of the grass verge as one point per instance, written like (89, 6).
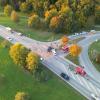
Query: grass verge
(14, 79)
(94, 46)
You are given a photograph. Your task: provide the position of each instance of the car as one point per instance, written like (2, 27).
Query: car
(65, 76)
(76, 34)
(94, 97)
(54, 51)
(10, 39)
(20, 34)
(8, 29)
(79, 70)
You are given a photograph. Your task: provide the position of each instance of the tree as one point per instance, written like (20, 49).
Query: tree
(14, 16)
(24, 7)
(64, 40)
(75, 50)
(32, 61)
(97, 18)
(3, 2)
(38, 7)
(49, 14)
(56, 24)
(34, 21)
(21, 96)
(7, 10)
(18, 53)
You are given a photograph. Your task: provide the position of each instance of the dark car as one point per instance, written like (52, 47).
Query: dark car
(65, 76)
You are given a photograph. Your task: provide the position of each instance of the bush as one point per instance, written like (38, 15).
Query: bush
(24, 7)
(21, 96)
(14, 16)
(34, 21)
(49, 14)
(97, 18)
(3, 2)
(55, 24)
(98, 58)
(7, 10)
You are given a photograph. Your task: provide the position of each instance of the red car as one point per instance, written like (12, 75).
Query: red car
(65, 48)
(80, 70)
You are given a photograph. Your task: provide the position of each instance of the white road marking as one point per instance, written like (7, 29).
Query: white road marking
(94, 89)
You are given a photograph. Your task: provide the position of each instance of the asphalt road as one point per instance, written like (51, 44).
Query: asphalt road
(84, 58)
(54, 63)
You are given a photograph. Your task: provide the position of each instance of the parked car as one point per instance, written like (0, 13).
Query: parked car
(10, 39)
(94, 97)
(20, 34)
(8, 29)
(80, 70)
(65, 76)
(76, 34)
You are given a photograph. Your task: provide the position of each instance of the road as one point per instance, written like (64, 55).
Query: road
(84, 58)
(55, 64)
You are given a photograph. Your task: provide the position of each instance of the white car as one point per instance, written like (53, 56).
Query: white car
(93, 31)
(10, 39)
(20, 34)
(76, 34)
(53, 51)
(8, 28)
(94, 97)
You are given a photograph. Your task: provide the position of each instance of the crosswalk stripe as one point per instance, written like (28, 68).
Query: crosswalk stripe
(86, 83)
(79, 80)
(72, 74)
(98, 92)
(94, 90)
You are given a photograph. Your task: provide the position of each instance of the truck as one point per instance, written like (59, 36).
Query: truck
(79, 70)
(65, 49)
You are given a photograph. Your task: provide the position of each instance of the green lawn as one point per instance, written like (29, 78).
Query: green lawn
(94, 46)
(14, 78)
(22, 27)
(73, 59)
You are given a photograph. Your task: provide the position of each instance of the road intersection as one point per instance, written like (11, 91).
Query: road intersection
(57, 64)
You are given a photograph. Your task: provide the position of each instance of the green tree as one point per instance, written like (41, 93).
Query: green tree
(19, 53)
(7, 10)
(24, 7)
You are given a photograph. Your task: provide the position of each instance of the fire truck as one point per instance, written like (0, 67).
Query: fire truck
(80, 70)
(65, 48)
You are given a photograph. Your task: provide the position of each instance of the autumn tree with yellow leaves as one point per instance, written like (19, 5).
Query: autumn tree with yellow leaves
(64, 40)
(75, 50)
(18, 53)
(22, 96)
(32, 61)
(14, 16)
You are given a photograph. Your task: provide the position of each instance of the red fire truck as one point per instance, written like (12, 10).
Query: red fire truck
(80, 70)
(65, 48)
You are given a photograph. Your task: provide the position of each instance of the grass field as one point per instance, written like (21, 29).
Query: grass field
(73, 59)
(94, 46)
(14, 79)
(22, 27)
